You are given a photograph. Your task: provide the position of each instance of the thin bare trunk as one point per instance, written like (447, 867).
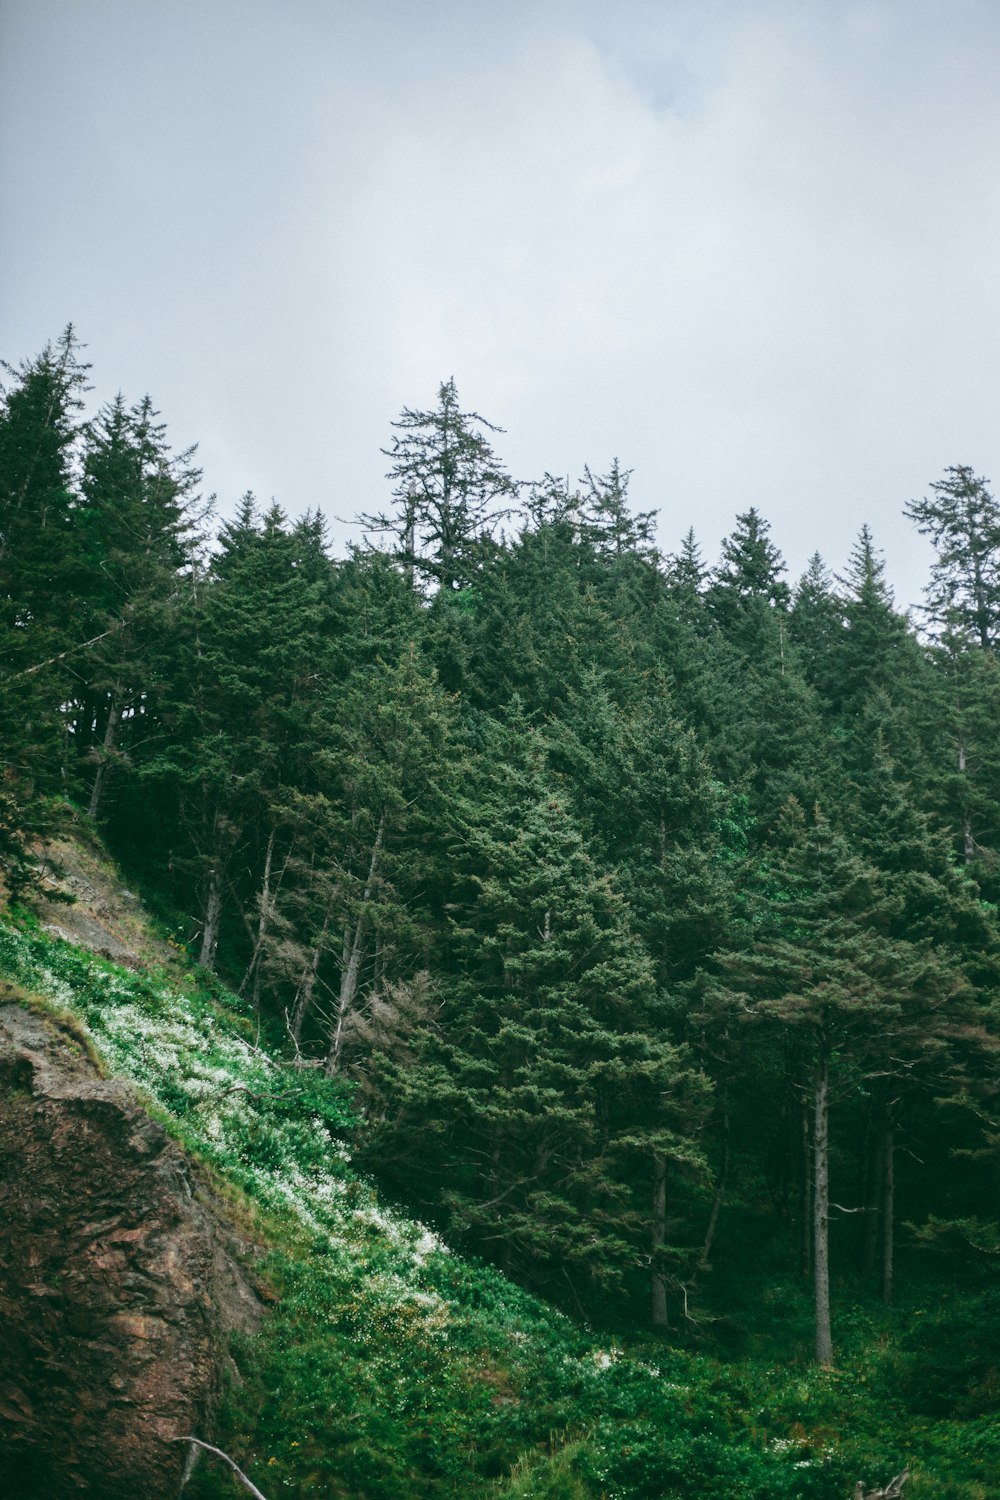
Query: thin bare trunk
(720, 1189)
(821, 1214)
(351, 968)
(874, 1181)
(263, 922)
(410, 541)
(213, 918)
(218, 1453)
(307, 984)
(806, 1244)
(657, 1285)
(888, 1207)
(968, 842)
(107, 751)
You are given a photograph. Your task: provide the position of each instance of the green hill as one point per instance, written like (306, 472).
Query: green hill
(389, 1365)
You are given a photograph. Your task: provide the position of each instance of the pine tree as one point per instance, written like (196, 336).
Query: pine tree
(875, 651)
(239, 714)
(41, 556)
(451, 491)
(549, 1100)
(815, 627)
(652, 810)
(963, 521)
(748, 596)
(826, 971)
(140, 520)
(606, 520)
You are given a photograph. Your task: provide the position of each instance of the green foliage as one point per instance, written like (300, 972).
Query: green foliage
(492, 831)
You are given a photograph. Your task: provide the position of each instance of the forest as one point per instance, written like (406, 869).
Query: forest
(645, 905)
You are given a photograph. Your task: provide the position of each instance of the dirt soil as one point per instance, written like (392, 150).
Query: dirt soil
(121, 1279)
(85, 902)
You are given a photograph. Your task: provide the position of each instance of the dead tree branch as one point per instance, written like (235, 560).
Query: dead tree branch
(892, 1491)
(227, 1460)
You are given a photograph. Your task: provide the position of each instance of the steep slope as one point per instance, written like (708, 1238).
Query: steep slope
(119, 1285)
(385, 1364)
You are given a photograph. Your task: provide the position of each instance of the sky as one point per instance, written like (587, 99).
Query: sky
(748, 247)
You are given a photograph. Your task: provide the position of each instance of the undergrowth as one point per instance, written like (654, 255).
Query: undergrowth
(390, 1366)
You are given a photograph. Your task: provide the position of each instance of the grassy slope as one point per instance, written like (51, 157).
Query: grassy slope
(391, 1367)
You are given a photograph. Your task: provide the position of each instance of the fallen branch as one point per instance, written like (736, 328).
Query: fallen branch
(892, 1490)
(226, 1460)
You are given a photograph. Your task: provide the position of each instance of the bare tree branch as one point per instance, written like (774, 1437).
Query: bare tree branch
(892, 1491)
(225, 1459)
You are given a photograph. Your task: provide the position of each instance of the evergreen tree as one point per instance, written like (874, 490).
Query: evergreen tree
(606, 520)
(748, 596)
(451, 491)
(40, 560)
(239, 714)
(549, 1103)
(963, 521)
(139, 518)
(652, 810)
(875, 652)
(815, 627)
(825, 969)
(956, 720)
(687, 577)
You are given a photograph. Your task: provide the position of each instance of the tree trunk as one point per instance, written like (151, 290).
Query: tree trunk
(213, 918)
(351, 968)
(874, 1185)
(720, 1189)
(888, 1206)
(658, 1235)
(821, 1214)
(806, 1242)
(106, 752)
(968, 842)
(307, 985)
(263, 923)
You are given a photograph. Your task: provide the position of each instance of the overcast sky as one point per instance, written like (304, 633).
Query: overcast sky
(750, 248)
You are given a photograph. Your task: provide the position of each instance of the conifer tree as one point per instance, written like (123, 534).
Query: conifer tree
(451, 491)
(875, 652)
(815, 626)
(826, 970)
(40, 560)
(748, 594)
(606, 519)
(140, 522)
(550, 1104)
(962, 519)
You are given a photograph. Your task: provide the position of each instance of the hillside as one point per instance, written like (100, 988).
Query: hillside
(386, 1364)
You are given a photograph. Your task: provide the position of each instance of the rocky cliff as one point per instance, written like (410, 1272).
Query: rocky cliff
(120, 1279)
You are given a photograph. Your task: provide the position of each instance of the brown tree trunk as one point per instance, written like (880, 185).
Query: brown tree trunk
(821, 1213)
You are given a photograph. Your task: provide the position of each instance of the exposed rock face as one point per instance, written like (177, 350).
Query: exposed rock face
(118, 1282)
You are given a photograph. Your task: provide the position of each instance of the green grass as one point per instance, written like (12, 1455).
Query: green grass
(389, 1366)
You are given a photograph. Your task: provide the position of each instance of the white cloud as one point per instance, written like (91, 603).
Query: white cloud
(746, 247)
